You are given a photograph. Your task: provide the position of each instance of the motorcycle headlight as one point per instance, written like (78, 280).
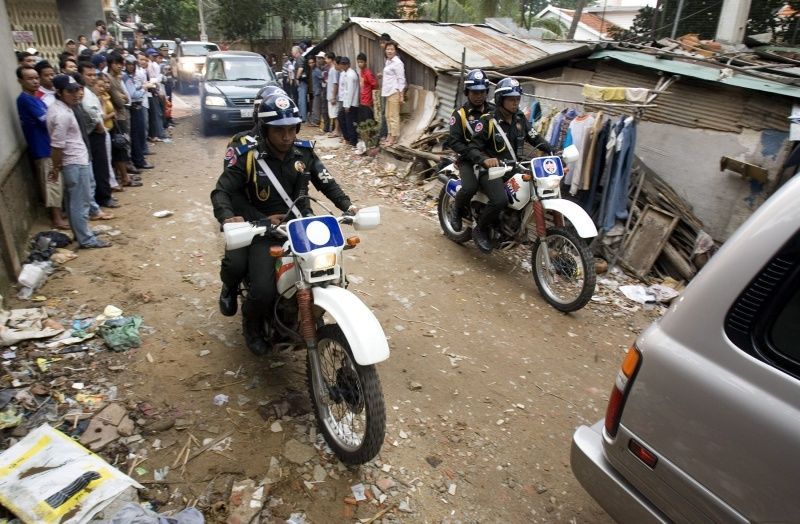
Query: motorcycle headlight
(324, 261)
(212, 100)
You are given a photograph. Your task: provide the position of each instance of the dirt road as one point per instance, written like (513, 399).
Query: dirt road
(484, 387)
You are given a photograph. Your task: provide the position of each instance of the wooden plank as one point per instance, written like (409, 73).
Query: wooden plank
(647, 239)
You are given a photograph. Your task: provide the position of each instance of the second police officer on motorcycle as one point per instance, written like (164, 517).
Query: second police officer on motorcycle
(462, 128)
(499, 136)
(245, 192)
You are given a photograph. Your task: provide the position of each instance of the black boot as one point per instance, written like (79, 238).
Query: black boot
(228, 302)
(253, 331)
(480, 234)
(454, 216)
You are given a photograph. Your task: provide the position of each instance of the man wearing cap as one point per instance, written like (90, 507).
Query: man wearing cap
(348, 89)
(33, 117)
(71, 159)
(100, 63)
(71, 47)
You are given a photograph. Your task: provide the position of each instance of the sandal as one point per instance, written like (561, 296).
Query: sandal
(134, 183)
(102, 216)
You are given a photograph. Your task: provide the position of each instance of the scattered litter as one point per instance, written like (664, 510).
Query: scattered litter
(163, 213)
(160, 474)
(221, 399)
(121, 333)
(62, 468)
(664, 294)
(132, 512)
(637, 293)
(276, 427)
(451, 489)
(245, 502)
(358, 492)
(297, 518)
(204, 352)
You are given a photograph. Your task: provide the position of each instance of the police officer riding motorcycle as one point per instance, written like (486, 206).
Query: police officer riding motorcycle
(248, 190)
(462, 128)
(499, 136)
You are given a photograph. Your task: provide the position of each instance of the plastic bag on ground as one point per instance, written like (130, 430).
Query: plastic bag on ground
(135, 514)
(121, 333)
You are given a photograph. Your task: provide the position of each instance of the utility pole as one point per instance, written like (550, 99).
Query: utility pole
(677, 19)
(576, 17)
(203, 35)
(733, 21)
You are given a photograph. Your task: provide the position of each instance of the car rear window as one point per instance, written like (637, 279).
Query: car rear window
(765, 320)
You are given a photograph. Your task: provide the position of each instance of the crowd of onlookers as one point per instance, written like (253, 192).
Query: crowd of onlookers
(89, 120)
(340, 96)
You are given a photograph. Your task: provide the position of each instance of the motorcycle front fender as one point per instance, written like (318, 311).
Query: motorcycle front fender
(574, 213)
(359, 325)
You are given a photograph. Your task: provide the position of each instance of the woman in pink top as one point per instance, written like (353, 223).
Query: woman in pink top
(394, 83)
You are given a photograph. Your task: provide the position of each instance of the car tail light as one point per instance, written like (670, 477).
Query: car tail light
(619, 393)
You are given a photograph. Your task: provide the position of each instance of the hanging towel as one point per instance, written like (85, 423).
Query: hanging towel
(605, 94)
(636, 94)
(579, 131)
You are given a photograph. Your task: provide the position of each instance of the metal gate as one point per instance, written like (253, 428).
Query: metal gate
(41, 18)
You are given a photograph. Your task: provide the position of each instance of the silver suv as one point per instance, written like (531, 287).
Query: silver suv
(703, 423)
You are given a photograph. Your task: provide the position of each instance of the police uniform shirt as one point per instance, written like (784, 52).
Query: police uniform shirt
(245, 190)
(462, 125)
(488, 143)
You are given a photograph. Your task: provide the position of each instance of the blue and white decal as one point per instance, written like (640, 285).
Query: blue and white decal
(308, 234)
(453, 186)
(546, 166)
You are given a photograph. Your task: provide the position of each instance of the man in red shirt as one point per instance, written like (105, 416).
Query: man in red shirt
(368, 84)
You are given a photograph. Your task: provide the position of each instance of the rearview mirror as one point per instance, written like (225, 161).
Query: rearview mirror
(240, 234)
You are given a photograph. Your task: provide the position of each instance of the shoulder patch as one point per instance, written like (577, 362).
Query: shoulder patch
(452, 120)
(479, 127)
(304, 143)
(230, 156)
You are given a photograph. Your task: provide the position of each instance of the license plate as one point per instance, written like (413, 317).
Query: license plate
(246, 113)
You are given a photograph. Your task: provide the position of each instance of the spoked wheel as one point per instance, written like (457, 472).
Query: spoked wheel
(567, 283)
(446, 203)
(353, 419)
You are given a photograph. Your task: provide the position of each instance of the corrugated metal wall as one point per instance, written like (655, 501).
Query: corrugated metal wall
(697, 104)
(446, 92)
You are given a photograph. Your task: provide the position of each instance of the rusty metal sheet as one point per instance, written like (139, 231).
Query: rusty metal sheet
(439, 46)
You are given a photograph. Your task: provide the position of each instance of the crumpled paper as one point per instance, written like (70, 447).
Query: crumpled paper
(26, 324)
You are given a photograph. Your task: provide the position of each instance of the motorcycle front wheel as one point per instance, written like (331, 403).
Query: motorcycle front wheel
(567, 282)
(353, 419)
(446, 203)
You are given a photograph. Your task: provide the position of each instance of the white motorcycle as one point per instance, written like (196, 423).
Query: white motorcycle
(342, 337)
(562, 266)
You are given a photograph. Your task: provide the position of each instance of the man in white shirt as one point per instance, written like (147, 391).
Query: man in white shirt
(156, 120)
(333, 92)
(349, 94)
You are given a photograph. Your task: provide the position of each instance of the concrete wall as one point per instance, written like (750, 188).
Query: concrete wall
(688, 159)
(78, 16)
(18, 198)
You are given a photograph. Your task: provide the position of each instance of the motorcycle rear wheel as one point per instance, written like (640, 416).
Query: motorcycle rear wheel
(353, 422)
(446, 202)
(568, 284)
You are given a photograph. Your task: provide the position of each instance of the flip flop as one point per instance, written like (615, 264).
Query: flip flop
(103, 216)
(62, 227)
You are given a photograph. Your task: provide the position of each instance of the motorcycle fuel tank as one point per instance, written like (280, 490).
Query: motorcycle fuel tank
(518, 192)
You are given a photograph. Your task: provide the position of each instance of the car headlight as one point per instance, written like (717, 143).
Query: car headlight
(323, 261)
(215, 101)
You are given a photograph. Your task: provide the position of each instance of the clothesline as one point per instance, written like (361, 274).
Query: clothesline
(590, 103)
(542, 80)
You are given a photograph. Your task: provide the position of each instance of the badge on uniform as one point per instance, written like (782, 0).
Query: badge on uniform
(452, 120)
(282, 103)
(479, 127)
(299, 166)
(230, 156)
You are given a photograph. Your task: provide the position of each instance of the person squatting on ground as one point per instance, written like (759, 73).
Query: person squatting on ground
(500, 136)
(462, 128)
(245, 191)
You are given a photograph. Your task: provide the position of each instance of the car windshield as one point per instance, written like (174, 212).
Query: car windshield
(198, 49)
(229, 69)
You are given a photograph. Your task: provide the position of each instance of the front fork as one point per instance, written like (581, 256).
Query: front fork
(308, 330)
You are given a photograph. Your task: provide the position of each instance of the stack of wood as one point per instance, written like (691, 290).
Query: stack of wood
(426, 152)
(662, 232)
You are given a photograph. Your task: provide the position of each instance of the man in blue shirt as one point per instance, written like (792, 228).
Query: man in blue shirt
(33, 117)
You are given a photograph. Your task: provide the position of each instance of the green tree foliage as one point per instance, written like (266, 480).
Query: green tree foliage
(300, 11)
(374, 8)
(172, 18)
(240, 19)
(640, 31)
(764, 19)
(698, 16)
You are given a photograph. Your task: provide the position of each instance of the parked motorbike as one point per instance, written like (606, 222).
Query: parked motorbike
(342, 337)
(562, 266)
